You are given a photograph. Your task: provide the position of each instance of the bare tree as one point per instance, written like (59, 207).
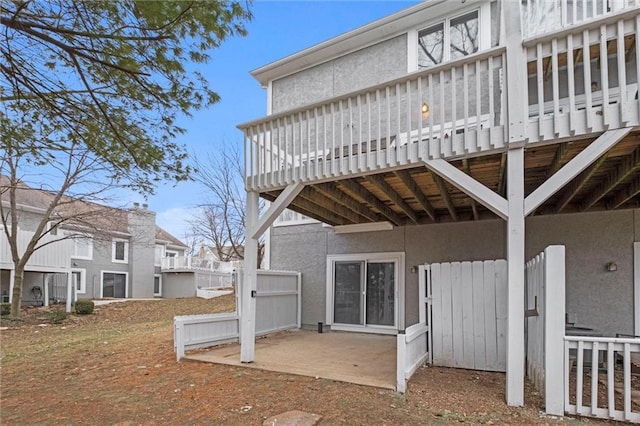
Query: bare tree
(91, 93)
(71, 191)
(221, 220)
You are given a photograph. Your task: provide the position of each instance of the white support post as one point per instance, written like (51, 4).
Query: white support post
(248, 310)
(515, 290)
(554, 308)
(279, 204)
(516, 79)
(12, 283)
(69, 291)
(45, 286)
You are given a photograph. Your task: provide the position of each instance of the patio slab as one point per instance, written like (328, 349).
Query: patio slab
(364, 359)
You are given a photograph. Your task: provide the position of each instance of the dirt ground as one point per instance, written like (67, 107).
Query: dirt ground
(118, 367)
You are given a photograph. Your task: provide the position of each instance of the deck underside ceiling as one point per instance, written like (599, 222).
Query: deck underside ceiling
(418, 196)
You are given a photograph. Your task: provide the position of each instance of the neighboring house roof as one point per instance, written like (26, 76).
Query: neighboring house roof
(104, 218)
(164, 236)
(227, 251)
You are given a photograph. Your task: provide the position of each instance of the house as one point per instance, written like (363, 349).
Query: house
(452, 134)
(98, 252)
(227, 253)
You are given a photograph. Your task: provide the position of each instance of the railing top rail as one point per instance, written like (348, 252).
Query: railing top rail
(579, 27)
(194, 319)
(602, 339)
(275, 272)
(485, 54)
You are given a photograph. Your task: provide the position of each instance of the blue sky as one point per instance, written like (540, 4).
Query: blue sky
(279, 28)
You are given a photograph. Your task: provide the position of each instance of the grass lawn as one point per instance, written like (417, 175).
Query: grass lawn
(118, 366)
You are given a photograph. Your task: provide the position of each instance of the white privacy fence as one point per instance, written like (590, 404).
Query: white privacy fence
(413, 344)
(545, 304)
(278, 307)
(597, 379)
(201, 331)
(208, 279)
(468, 305)
(278, 301)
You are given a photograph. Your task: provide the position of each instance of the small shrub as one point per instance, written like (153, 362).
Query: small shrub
(57, 316)
(84, 307)
(5, 309)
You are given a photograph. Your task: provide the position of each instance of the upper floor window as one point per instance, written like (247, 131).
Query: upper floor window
(120, 251)
(83, 248)
(450, 39)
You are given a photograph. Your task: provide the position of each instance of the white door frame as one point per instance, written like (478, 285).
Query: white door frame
(126, 282)
(399, 289)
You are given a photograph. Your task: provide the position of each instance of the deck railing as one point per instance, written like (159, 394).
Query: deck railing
(598, 381)
(198, 263)
(544, 16)
(584, 79)
(453, 109)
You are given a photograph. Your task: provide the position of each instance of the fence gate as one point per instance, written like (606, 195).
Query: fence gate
(467, 309)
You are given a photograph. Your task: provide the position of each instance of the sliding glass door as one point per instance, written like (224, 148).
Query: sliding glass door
(348, 307)
(364, 292)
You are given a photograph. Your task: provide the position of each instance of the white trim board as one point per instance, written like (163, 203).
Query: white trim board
(636, 288)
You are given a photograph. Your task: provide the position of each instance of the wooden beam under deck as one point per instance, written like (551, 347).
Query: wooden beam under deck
(616, 176)
(577, 184)
(370, 199)
(445, 195)
(632, 190)
(474, 208)
(382, 185)
(313, 195)
(411, 185)
(331, 190)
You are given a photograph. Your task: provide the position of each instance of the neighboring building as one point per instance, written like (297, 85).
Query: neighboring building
(429, 136)
(225, 254)
(110, 252)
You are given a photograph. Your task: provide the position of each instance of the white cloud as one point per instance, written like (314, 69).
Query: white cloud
(175, 221)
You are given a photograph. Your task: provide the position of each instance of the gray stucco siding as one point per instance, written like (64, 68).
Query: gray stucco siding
(596, 298)
(366, 67)
(303, 248)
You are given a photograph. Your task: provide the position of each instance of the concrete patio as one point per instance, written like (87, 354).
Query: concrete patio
(364, 359)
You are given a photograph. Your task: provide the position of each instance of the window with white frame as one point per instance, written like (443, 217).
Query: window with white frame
(158, 255)
(157, 285)
(79, 277)
(120, 251)
(448, 40)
